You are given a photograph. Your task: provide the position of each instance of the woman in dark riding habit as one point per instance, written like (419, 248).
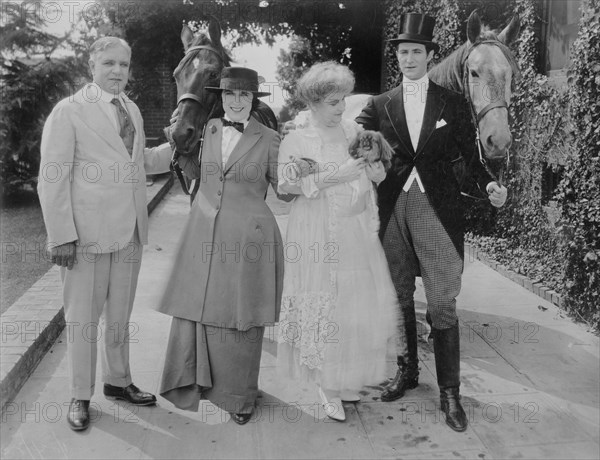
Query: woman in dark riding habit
(226, 284)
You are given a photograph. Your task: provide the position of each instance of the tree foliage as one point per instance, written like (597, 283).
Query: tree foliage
(303, 53)
(348, 31)
(32, 81)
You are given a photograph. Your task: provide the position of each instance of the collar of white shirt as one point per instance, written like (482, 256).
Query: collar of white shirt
(415, 87)
(229, 140)
(105, 96)
(95, 93)
(422, 82)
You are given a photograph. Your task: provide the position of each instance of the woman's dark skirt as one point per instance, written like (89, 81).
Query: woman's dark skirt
(207, 362)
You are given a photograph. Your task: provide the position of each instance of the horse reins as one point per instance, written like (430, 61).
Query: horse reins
(196, 98)
(478, 116)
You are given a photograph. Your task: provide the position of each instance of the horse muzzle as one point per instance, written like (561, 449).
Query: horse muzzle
(186, 137)
(496, 145)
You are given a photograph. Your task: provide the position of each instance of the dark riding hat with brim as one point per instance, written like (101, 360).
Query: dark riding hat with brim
(416, 28)
(238, 78)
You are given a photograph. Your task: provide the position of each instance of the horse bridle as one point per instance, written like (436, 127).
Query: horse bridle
(195, 98)
(191, 49)
(478, 116)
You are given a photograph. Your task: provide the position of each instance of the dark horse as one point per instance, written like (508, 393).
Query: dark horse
(201, 66)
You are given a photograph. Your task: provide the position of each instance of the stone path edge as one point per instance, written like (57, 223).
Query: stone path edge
(537, 288)
(32, 324)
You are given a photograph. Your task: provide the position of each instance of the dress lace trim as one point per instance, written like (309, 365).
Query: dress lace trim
(308, 326)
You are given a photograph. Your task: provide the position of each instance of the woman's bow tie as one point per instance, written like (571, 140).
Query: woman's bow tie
(235, 124)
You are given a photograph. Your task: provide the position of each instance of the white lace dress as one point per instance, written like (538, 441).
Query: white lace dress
(339, 305)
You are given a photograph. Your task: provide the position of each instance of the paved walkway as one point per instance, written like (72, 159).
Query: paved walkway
(530, 387)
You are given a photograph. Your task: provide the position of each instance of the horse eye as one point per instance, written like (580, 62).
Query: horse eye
(474, 74)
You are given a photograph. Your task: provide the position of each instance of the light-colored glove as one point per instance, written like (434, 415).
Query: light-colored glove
(64, 255)
(497, 194)
(376, 172)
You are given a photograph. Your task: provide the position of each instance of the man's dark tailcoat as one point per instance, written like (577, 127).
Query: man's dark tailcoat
(441, 157)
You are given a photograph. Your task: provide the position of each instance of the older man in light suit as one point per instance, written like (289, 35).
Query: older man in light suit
(93, 197)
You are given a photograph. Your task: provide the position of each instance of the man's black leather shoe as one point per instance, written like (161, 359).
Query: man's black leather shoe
(452, 409)
(406, 378)
(446, 347)
(130, 393)
(79, 414)
(241, 419)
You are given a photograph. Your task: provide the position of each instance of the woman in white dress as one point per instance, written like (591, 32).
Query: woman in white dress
(339, 305)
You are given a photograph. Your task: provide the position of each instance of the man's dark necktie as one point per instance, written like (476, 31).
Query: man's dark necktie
(235, 124)
(127, 131)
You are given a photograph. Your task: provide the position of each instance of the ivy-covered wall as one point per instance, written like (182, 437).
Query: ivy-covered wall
(551, 129)
(579, 192)
(526, 241)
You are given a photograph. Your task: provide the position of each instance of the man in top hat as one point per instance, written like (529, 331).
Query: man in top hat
(421, 212)
(227, 283)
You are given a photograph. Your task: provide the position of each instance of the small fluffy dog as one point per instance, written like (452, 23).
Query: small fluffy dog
(371, 146)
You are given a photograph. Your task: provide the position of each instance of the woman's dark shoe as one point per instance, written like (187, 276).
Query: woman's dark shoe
(241, 419)
(79, 414)
(130, 393)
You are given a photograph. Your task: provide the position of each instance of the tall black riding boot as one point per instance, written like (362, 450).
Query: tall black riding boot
(446, 346)
(407, 376)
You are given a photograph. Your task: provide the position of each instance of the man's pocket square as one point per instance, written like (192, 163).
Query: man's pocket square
(440, 124)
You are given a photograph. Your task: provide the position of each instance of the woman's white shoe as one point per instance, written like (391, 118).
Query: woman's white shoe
(333, 407)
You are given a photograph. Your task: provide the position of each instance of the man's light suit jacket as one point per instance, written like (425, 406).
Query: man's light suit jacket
(91, 190)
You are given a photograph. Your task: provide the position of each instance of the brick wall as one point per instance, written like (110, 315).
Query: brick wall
(156, 115)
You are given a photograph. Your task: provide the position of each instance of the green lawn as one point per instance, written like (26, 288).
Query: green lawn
(23, 238)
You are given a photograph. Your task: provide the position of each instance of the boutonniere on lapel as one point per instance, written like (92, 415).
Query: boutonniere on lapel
(440, 124)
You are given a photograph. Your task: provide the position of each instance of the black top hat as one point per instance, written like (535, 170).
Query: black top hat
(241, 78)
(416, 28)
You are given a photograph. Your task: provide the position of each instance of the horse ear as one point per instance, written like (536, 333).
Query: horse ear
(511, 32)
(473, 27)
(214, 31)
(187, 36)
